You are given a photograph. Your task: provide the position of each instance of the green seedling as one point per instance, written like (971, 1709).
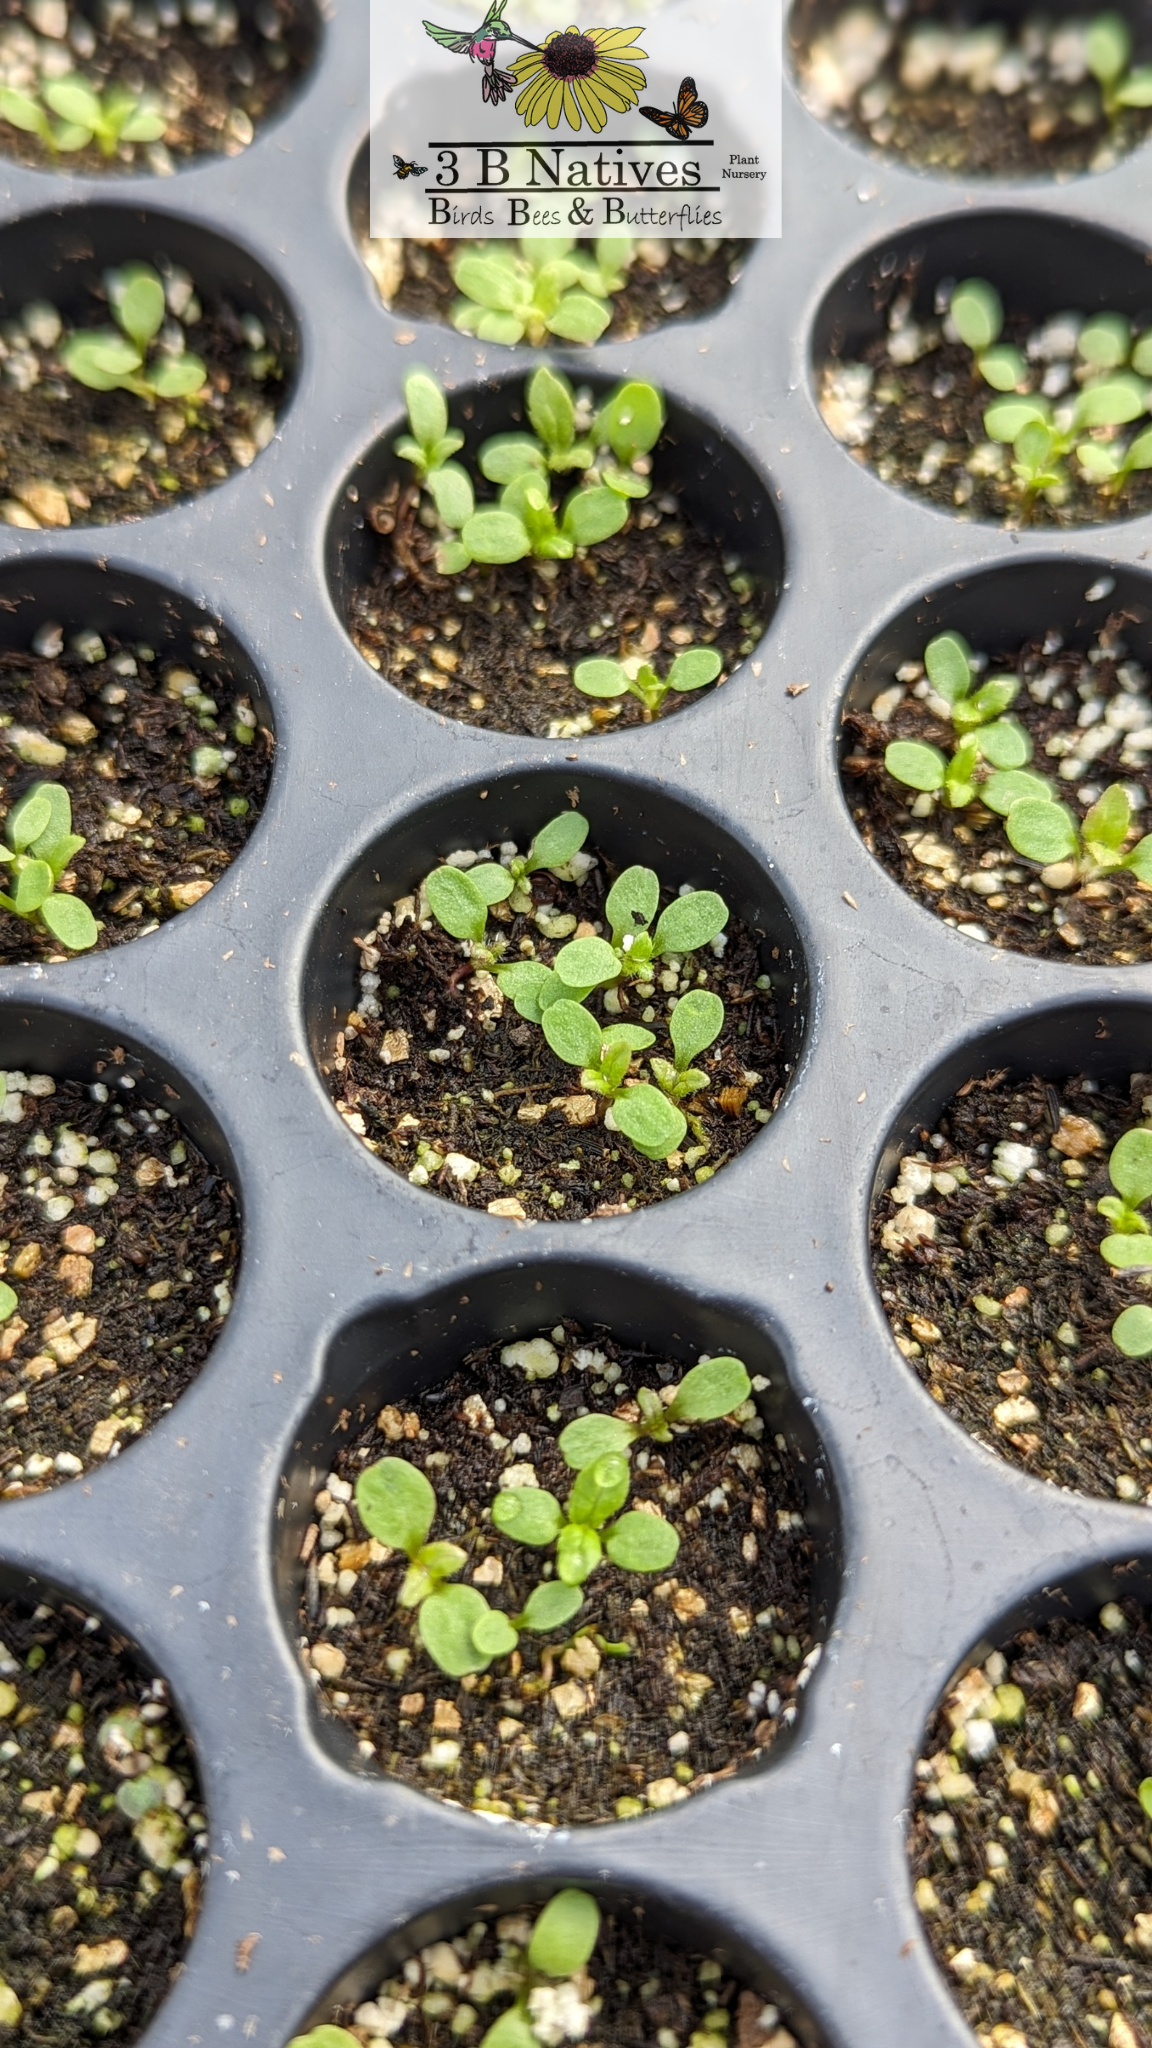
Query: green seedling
(117, 358)
(40, 844)
(983, 733)
(691, 670)
(689, 922)
(459, 898)
(1130, 1172)
(711, 1390)
(695, 1024)
(8, 1302)
(591, 1526)
(84, 113)
(604, 1052)
(1132, 1333)
(1044, 830)
(1108, 48)
(544, 286)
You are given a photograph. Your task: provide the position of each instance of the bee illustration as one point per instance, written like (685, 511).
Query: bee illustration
(404, 170)
(690, 112)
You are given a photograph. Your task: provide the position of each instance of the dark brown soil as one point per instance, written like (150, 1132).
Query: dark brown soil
(530, 1745)
(69, 1673)
(136, 755)
(640, 1987)
(214, 100)
(501, 1097)
(118, 1304)
(106, 456)
(1040, 1381)
(689, 284)
(498, 645)
(1106, 922)
(1035, 1895)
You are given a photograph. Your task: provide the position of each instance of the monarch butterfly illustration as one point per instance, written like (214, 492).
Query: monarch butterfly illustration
(404, 170)
(690, 112)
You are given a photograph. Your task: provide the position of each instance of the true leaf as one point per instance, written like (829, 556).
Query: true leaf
(600, 678)
(593, 515)
(1041, 831)
(1139, 861)
(494, 1635)
(690, 921)
(550, 409)
(593, 1436)
(507, 456)
(711, 1389)
(1106, 823)
(556, 842)
(642, 1543)
(631, 421)
(427, 406)
(1127, 1249)
(578, 1552)
(916, 764)
(441, 1560)
(579, 318)
(565, 1934)
(977, 313)
(600, 1489)
(528, 1515)
(1003, 790)
(450, 487)
(1132, 1334)
(1130, 1166)
(396, 1504)
(947, 661)
(446, 1622)
(457, 903)
(995, 696)
(550, 1605)
(654, 1125)
(70, 920)
(633, 900)
(496, 536)
(696, 1023)
(586, 963)
(694, 668)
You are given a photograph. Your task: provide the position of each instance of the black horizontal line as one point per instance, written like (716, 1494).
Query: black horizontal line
(567, 191)
(645, 142)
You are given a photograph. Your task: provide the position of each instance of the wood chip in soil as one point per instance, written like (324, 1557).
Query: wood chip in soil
(215, 88)
(1028, 1843)
(100, 1937)
(74, 457)
(121, 1243)
(497, 647)
(960, 864)
(669, 281)
(638, 1989)
(127, 726)
(1032, 1373)
(439, 1076)
(555, 1733)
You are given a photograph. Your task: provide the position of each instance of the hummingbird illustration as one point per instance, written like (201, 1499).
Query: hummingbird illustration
(480, 45)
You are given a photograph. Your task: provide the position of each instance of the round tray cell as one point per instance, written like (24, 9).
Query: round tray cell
(667, 1679)
(124, 85)
(1073, 637)
(103, 1820)
(497, 645)
(982, 90)
(75, 456)
(120, 1239)
(152, 718)
(665, 281)
(656, 1968)
(986, 1244)
(1029, 1834)
(437, 1072)
(904, 396)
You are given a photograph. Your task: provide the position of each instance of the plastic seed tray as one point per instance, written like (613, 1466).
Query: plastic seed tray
(356, 1285)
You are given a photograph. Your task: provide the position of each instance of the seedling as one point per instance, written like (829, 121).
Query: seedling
(603, 1052)
(109, 118)
(983, 733)
(691, 670)
(40, 844)
(1108, 48)
(590, 1526)
(711, 1390)
(545, 286)
(1132, 1332)
(525, 520)
(459, 898)
(117, 358)
(1130, 1172)
(1044, 830)
(696, 1023)
(9, 1302)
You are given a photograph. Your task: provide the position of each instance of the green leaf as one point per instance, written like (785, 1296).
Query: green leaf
(496, 536)
(1112, 401)
(1139, 861)
(690, 922)
(511, 2030)
(631, 421)
(1132, 1334)
(586, 963)
(948, 665)
(1042, 831)
(26, 114)
(136, 296)
(593, 515)
(1003, 790)
(573, 1033)
(1139, 454)
(70, 920)
(493, 881)
(450, 487)
(994, 696)
(551, 410)
(579, 318)
(139, 1796)
(696, 1023)
(712, 1389)
(494, 1635)
(1104, 341)
(565, 1934)
(1136, 90)
(396, 1504)
(525, 981)
(31, 817)
(33, 887)
(1101, 461)
(325, 2037)
(600, 678)
(594, 1436)
(654, 1125)
(1106, 824)
(695, 668)
(1003, 367)
(1130, 1166)
(556, 842)
(427, 407)
(177, 376)
(959, 787)
(507, 328)
(145, 125)
(1127, 1249)
(1005, 743)
(74, 100)
(99, 357)
(457, 903)
(550, 1605)
(528, 1515)
(8, 1301)
(600, 1489)
(916, 764)
(1008, 417)
(625, 482)
(1108, 47)
(578, 1552)
(441, 1560)
(507, 456)
(632, 901)
(446, 1623)
(642, 1543)
(977, 313)
(451, 557)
